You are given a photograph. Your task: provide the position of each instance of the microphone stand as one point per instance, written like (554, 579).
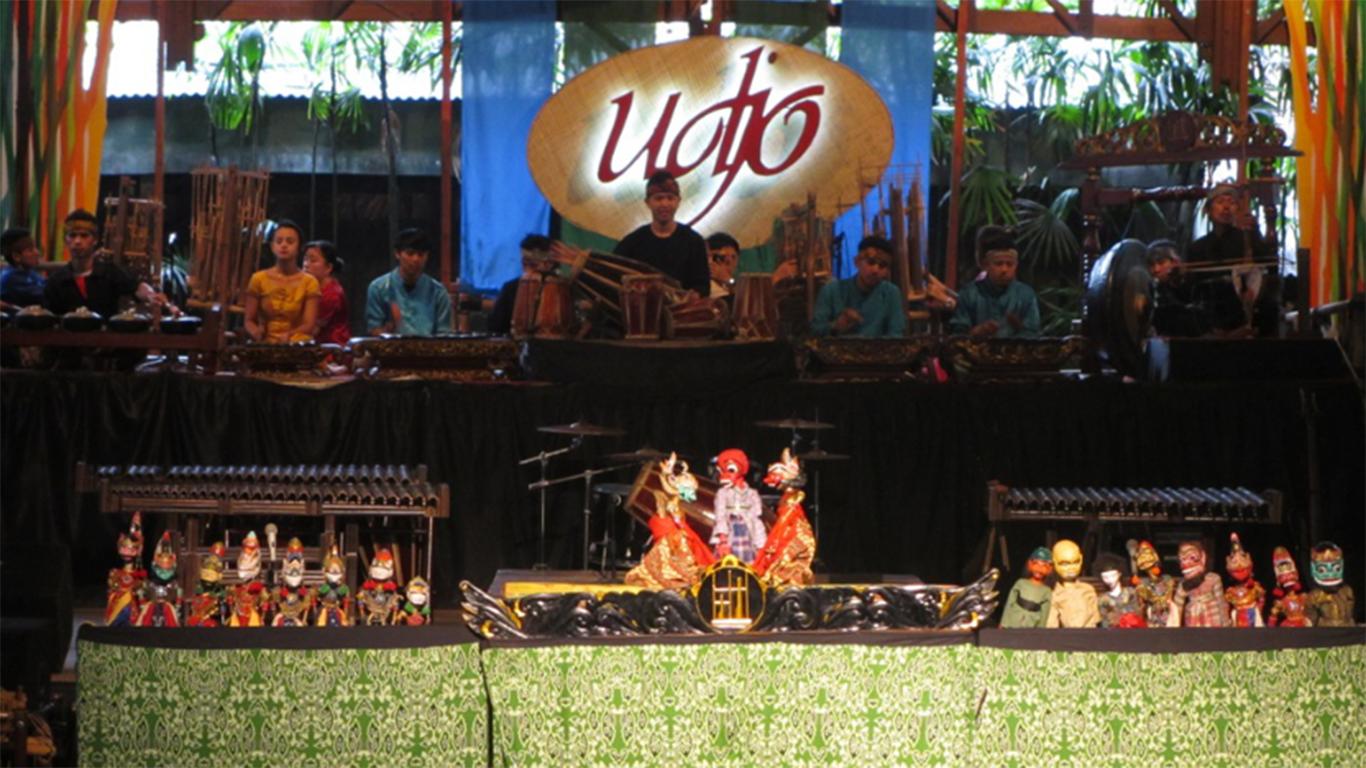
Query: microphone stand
(544, 458)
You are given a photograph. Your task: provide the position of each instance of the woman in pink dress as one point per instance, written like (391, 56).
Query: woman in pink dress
(322, 262)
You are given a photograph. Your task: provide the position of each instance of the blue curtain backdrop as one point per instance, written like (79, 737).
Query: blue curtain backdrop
(891, 44)
(508, 70)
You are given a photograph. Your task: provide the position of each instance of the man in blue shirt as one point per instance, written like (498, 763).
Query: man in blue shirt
(996, 304)
(865, 304)
(21, 284)
(407, 301)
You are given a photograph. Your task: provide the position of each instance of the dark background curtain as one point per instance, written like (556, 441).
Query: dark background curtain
(911, 501)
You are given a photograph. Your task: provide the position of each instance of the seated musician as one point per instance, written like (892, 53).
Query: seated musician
(87, 281)
(1174, 311)
(408, 301)
(723, 254)
(865, 304)
(665, 243)
(996, 304)
(1233, 237)
(21, 284)
(281, 302)
(535, 261)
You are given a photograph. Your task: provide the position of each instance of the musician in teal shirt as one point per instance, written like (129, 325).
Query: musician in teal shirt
(408, 301)
(865, 304)
(996, 304)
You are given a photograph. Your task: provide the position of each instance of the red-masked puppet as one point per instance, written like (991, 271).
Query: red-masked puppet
(1244, 595)
(125, 582)
(1291, 606)
(786, 557)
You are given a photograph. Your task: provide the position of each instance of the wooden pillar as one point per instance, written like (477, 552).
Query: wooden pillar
(956, 166)
(159, 170)
(450, 270)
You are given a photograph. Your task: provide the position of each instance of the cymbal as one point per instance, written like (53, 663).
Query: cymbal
(639, 454)
(582, 429)
(794, 424)
(821, 454)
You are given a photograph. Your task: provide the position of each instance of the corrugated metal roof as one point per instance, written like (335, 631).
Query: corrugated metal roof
(132, 68)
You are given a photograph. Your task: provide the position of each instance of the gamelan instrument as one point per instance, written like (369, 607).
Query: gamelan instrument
(642, 305)
(1166, 505)
(542, 308)
(387, 492)
(756, 307)
(696, 317)
(582, 429)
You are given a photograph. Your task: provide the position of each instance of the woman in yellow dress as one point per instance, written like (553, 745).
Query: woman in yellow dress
(282, 302)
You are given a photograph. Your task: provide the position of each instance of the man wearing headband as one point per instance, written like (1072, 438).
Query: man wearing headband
(665, 243)
(996, 304)
(89, 282)
(865, 304)
(536, 262)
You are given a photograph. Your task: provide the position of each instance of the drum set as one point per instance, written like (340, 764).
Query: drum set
(639, 497)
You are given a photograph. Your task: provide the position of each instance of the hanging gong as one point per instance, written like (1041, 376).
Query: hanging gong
(1119, 305)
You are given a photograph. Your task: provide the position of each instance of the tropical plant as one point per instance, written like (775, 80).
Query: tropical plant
(233, 97)
(333, 101)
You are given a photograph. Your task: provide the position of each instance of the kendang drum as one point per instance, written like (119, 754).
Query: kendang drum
(756, 307)
(648, 490)
(542, 308)
(642, 305)
(696, 317)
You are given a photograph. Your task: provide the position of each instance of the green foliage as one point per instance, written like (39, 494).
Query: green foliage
(986, 198)
(233, 98)
(1045, 239)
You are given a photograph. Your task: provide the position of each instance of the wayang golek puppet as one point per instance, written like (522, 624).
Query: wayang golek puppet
(786, 557)
(1119, 606)
(417, 609)
(1290, 606)
(1154, 588)
(377, 600)
(293, 601)
(248, 600)
(739, 527)
(161, 595)
(333, 596)
(677, 556)
(125, 582)
(1244, 595)
(1027, 604)
(1074, 603)
(1331, 602)
(1199, 599)
(206, 606)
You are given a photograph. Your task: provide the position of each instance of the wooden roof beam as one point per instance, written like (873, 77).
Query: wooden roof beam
(1183, 23)
(1064, 15)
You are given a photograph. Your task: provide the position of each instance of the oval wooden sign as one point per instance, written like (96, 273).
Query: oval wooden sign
(748, 127)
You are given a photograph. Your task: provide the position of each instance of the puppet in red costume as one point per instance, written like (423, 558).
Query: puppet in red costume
(1244, 595)
(1291, 606)
(125, 582)
(678, 555)
(739, 527)
(378, 598)
(785, 558)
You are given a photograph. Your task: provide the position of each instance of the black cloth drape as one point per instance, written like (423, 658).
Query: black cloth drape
(911, 501)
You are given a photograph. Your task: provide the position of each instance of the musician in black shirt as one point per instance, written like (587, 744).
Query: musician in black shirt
(665, 243)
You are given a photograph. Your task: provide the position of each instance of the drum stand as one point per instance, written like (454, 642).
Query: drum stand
(587, 476)
(543, 458)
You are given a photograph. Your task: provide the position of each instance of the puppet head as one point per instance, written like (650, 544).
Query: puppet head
(249, 559)
(417, 592)
(163, 562)
(731, 467)
(1111, 569)
(1067, 559)
(334, 567)
(293, 570)
(1325, 564)
(130, 543)
(1191, 555)
(1039, 565)
(785, 473)
(1239, 562)
(676, 479)
(382, 567)
(211, 567)
(1287, 575)
(1146, 558)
